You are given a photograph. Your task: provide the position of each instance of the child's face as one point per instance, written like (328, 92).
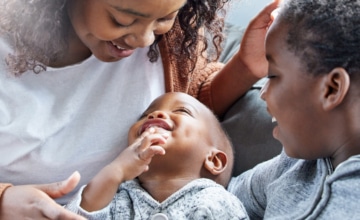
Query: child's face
(188, 125)
(112, 29)
(291, 95)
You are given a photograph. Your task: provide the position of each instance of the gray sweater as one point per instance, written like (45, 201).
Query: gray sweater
(199, 199)
(287, 188)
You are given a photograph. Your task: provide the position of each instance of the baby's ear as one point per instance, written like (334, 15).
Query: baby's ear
(216, 162)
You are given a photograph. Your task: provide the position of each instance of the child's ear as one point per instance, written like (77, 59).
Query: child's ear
(216, 161)
(337, 84)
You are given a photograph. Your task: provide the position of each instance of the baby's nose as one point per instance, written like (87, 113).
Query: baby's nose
(157, 114)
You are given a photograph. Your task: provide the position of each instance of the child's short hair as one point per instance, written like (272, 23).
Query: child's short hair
(324, 33)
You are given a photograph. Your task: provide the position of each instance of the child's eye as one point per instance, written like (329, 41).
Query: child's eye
(270, 76)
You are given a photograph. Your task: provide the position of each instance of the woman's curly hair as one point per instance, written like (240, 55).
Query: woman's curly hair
(37, 31)
(324, 33)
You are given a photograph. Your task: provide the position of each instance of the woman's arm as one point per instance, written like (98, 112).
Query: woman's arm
(246, 67)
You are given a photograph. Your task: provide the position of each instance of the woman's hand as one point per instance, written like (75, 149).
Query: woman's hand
(252, 47)
(36, 201)
(246, 67)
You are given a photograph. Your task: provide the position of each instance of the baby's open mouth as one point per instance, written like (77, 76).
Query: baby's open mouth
(160, 125)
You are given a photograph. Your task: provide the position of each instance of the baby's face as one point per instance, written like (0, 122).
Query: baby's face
(185, 121)
(292, 96)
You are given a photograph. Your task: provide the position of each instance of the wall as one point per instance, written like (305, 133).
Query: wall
(240, 12)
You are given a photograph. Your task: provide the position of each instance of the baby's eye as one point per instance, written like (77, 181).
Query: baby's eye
(184, 110)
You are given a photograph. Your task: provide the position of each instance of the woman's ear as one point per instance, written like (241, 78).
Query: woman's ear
(337, 84)
(216, 162)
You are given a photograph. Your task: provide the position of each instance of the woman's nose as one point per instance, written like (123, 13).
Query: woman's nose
(264, 90)
(142, 37)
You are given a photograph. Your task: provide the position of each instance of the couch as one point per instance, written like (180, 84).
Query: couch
(247, 122)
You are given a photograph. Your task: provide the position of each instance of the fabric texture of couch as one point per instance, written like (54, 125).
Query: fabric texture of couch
(247, 122)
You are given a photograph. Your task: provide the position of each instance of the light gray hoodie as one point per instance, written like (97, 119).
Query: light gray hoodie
(287, 188)
(199, 200)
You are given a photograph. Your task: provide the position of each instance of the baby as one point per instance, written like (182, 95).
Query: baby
(177, 167)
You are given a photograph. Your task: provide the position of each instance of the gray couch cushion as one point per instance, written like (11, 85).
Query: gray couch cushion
(247, 122)
(249, 127)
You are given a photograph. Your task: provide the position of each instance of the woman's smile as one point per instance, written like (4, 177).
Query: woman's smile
(117, 51)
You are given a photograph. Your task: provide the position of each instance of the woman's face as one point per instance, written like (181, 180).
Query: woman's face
(113, 29)
(292, 97)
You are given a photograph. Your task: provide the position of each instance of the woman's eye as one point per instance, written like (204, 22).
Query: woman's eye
(166, 19)
(170, 17)
(117, 23)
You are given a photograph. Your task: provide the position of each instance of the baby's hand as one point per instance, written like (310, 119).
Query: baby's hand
(133, 161)
(136, 158)
(149, 145)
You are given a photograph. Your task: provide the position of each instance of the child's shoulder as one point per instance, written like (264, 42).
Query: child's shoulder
(212, 199)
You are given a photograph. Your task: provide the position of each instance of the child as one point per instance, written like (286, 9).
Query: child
(313, 93)
(182, 160)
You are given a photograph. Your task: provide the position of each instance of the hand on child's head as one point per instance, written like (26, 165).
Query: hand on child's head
(274, 14)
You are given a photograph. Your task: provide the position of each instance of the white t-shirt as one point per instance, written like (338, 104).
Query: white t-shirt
(71, 118)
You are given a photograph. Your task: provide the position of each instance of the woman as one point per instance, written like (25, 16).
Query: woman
(100, 60)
